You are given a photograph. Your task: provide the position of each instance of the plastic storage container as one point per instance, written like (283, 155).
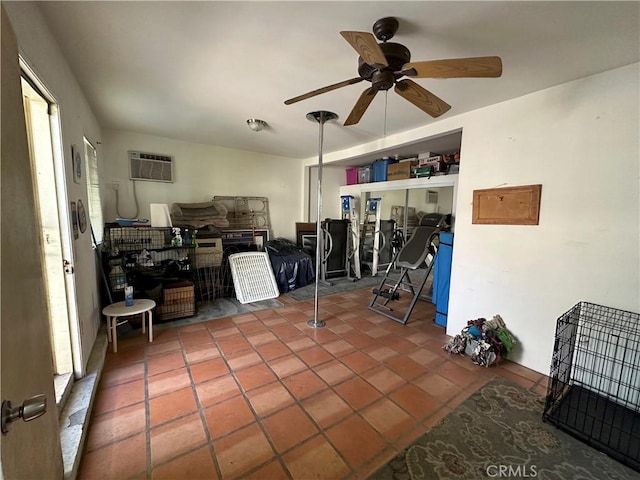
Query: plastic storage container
(364, 174)
(380, 169)
(352, 176)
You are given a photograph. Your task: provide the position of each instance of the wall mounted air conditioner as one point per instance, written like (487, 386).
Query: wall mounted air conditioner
(150, 167)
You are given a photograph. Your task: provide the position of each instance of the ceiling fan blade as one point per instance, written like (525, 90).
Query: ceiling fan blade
(361, 106)
(326, 89)
(455, 68)
(421, 98)
(367, 47)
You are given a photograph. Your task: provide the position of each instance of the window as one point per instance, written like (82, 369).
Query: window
(93, 191)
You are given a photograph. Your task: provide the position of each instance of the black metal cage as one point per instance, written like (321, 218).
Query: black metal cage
(594, 384)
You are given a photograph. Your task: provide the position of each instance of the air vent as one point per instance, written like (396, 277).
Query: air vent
(151, 167)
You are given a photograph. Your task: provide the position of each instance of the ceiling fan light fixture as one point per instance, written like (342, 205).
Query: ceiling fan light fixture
(256, 125)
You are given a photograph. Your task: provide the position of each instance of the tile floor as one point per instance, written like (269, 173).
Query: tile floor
(264, 396)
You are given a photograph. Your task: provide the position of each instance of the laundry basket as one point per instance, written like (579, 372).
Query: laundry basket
(253, 277)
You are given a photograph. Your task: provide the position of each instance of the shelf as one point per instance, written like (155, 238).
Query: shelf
(409, 183)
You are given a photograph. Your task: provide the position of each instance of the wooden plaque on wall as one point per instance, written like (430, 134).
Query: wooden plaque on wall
(507, 206)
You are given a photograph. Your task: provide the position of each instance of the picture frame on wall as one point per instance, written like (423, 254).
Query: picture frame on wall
(76, 164)
(74, 220)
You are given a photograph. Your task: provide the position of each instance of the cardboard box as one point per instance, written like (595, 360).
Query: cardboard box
(401, 170)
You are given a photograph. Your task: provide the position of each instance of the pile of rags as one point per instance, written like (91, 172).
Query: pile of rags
(491, 338)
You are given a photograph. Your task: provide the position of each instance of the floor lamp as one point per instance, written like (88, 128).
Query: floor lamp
(321, 117)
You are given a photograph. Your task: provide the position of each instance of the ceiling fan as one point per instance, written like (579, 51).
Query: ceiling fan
(384, 64)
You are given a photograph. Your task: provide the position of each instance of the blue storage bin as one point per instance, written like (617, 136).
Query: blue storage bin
(380, 169)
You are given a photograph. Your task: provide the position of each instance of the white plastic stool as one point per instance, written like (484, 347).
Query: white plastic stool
(116, 310)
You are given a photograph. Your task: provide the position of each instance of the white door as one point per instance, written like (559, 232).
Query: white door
(31, 449)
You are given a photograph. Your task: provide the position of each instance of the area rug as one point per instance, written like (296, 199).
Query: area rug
(498, 432)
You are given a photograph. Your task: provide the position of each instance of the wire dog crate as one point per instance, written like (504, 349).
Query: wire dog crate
(594, 385)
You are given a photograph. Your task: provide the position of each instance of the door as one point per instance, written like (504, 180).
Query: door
(29, 450)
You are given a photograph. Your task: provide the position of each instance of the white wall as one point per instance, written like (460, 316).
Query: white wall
(202, 171)
(39, 49)
(580, 141)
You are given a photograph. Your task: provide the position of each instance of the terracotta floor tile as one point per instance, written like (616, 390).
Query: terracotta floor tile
(196, 339)
(427, 358)
(233, 344)
(200, 353)
(228, 416)
(359, 362)
(242, 451)
(162, 348)
(384, 379)
(175, 438)
(164, 363)
(244, 318)
(415, 401)
(334, 372)
(168, 382)
(459, 375)
(264, 395)
(315, 459)
(255, 376)
(359, 339)
(380, 352)
(388, 418)
(124, 374)
(286, 331)
(116, 425)
(192, 328)
(118, 396)
(438, 387)
(243, 359)
(217, 390)
(301, 343)
(289, 427)
(522, 371)
(327, 408)
(269, 399)
(171, 406)
(272, 471)
(261, 338)
(338, 348)
(194, 465)
(406, 367)
(273, 350)
(109, 463)
(398, 343)
(125, 356)
(357, 392)
(323, 336)
(208, 370)
(285, 366)
(356, 440)
(304, 384)
(315, 356)
(251, 328)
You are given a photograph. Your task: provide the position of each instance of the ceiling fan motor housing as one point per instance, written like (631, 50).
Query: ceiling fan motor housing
(383, 78)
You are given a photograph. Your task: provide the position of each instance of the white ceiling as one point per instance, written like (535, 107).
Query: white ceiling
(196, 71)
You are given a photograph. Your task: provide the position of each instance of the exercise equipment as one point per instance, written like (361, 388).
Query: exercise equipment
(350, 213)
(419, 251)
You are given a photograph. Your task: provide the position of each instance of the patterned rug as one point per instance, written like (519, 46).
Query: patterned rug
(498, 432)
